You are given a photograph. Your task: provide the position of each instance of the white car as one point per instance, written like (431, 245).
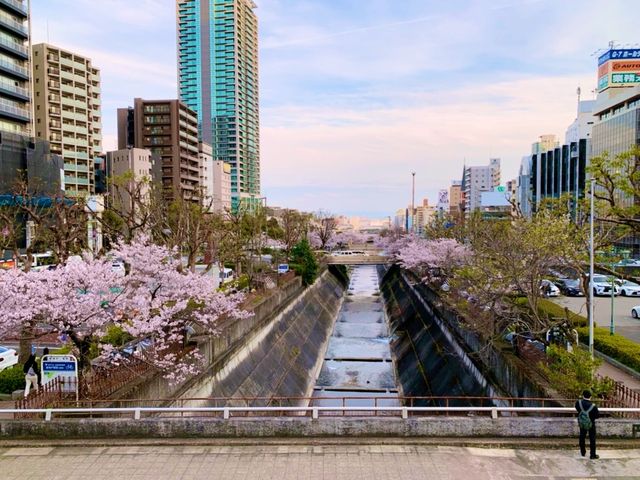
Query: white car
(548, 288)
(635, 312)
(119, 268)
(628, 289)
(8, 358)
(602, 286)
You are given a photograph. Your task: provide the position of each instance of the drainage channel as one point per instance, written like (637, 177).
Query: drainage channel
(358, 360)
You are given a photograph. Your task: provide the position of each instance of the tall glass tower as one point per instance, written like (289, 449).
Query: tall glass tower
(218, 78)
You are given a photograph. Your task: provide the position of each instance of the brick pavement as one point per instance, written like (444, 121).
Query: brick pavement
(283, 462)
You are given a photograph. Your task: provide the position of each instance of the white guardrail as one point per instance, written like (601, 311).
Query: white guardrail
(228, 412)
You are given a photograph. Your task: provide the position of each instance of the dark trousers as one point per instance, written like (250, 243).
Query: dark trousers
(592, 441)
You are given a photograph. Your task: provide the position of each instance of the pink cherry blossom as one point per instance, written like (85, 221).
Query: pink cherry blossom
(85, 296)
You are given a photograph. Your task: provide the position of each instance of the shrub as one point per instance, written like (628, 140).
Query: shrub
(571, 372)
(617, 347)
(11, 379)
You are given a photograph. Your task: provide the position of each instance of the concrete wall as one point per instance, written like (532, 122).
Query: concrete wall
(306, 427)
(233, 336)
(508, 372)
(283, 357)
(428, 358)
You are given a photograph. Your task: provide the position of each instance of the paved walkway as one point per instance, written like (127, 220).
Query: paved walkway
(608, 370)
(283, 462)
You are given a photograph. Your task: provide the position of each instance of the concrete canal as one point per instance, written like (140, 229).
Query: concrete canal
(358, 361)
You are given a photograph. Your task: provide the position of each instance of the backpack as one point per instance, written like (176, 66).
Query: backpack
(583, 417)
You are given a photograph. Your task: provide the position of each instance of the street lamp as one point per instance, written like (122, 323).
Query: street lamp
(591, 261)
(613, 288)
(413, 201)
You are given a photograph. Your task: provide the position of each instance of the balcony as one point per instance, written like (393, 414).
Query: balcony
(14, 113)
(16, 6)
(15, 27)
(14, 70)
(18, 93)
(14, 48)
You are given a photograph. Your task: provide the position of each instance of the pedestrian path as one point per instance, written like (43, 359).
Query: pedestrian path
(308, 461)
(613, 372)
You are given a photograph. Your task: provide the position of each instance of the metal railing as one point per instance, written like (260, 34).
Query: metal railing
(227, 413)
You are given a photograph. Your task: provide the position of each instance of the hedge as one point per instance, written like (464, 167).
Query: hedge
(11, 379)
(617, 347)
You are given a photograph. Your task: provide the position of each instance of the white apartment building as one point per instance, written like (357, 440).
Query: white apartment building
(477, 180)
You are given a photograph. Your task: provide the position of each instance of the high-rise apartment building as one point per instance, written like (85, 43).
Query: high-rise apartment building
(169, 129)
(218, 78)
(67, 112)
(15, 108)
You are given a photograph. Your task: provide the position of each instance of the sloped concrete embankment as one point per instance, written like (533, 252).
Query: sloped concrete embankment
(511, 375)
(283, 358)
(429, 359)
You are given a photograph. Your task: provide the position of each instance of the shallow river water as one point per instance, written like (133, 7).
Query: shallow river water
(358, 360)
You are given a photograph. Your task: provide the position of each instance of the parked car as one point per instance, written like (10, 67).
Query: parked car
(8, 358)
(118, 267)
(628, 262)
(635, 312)
(570, 287)
(548, 289)
(628, 289)
(602, 286)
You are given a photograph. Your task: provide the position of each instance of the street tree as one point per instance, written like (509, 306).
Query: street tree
(324, 227)
(618, 187)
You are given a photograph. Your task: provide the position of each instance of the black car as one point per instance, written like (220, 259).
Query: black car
(570, 287)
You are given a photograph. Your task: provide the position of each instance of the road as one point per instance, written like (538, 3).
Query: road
(307, 461)
(624, 324)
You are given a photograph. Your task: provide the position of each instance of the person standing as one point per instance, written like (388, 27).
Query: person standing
(30, 374)
(587, 415)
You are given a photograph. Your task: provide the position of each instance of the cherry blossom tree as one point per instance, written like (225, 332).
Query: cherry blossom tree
(82, 298)
(432, 259)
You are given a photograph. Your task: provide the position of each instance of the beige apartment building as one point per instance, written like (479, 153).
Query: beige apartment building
(67, 112)
(169, 129)
(221, 186)
(137, 161)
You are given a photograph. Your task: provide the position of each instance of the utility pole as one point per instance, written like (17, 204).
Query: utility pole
(591, 269)
(413, 201)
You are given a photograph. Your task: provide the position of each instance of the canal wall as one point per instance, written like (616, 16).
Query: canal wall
(429, 360)
(282, 427)
(282, 358)
(512, 376)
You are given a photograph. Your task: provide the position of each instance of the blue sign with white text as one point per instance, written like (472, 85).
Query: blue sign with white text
(626, 54)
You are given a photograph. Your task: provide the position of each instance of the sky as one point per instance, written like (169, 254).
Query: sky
(355, 95)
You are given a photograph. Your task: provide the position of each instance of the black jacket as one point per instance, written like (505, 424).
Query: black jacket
(593, 414)
(31, 362)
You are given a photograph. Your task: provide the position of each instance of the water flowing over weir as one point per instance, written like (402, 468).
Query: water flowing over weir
(358, 361)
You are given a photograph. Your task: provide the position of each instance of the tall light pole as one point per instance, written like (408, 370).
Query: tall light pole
(413, 201)
(591, 268)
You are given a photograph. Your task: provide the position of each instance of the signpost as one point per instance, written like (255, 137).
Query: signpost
(64, 367)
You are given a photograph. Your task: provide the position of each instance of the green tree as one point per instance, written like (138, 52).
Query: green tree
(304, 262)
(618, 187)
